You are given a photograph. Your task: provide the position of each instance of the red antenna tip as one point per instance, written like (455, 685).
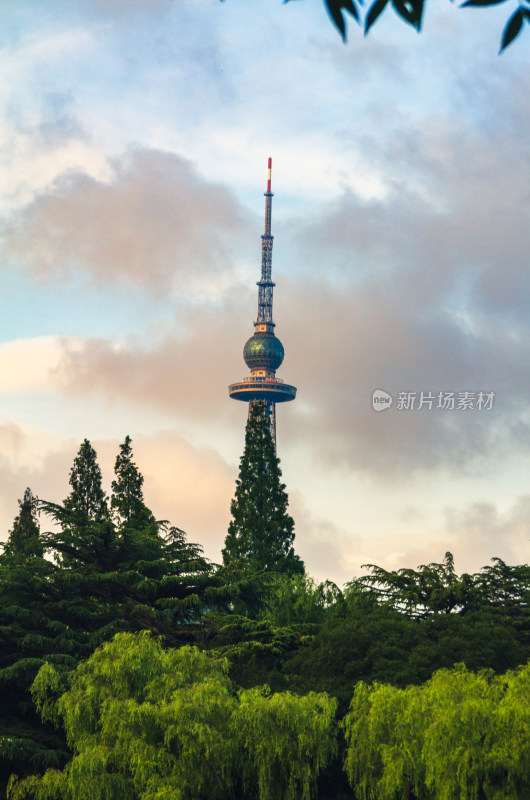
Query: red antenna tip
(269, 168)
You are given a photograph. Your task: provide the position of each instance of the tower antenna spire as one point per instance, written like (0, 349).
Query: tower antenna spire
(266, 285)
(263, 353)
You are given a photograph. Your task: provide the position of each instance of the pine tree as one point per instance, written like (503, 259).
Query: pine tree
(98, 581)
(87, 499)
(127, 502)
(87, 535)
(24, 537)
(261, 531)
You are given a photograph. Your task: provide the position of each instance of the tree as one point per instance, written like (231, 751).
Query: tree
(299, 600)
(24, 537)
(411, 12)
(261, 530)
(146, 723)
(366, 636)
(127, 502)
(87, 500)
(25, 634)
(432, 589)
(460, 735)
(95, 580)
(500, 591)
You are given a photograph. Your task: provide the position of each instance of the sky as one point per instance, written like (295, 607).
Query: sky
(134, 137)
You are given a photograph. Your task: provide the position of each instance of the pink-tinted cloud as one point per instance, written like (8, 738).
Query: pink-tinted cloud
(154, 224)
(189, 486)
(185, 375)
(338, 351)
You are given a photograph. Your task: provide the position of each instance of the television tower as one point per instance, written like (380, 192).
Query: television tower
(263, 353)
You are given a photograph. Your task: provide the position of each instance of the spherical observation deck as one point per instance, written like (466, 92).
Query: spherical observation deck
(272, 389)
(263, 351)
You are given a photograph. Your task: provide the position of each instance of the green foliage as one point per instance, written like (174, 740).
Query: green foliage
(28, 629)
(359, 640)
(261, 531)
(87, 499)
(460, 736)
(24, 537)
(298, 599)
(146, 723)
(127, 502)
(363, 638)
(87, 503)
(412, 13)
(286, 740)
(433, 588)
(437, 589)
(95, 580)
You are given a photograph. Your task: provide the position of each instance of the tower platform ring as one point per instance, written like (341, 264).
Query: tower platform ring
(274, 391)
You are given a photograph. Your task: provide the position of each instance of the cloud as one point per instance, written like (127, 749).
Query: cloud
(329, 552)
(29, 365)
(337, 352)
(346, 351)
(192, 486)
(481, 531)
(184, 374)
(154, 224)
(34, 458)
(474, 533)
(189, 486)
(423, 289)
(127, 9)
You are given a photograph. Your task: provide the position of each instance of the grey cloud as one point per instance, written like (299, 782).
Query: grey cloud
(428, 290)
(424, 290)
(185, 375)
(126, 9)
(341, 342)
(481, 530)
(454, 227)
(52, 121)
(155, 223)
(327, 551)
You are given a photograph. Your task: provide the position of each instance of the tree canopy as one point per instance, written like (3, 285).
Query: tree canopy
(146, 723)
(24, 537)
(261, 531)
(460, 735)
(119, 709)
(81, 583)
(127, 502)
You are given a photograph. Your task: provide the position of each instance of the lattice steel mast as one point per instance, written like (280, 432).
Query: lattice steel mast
(263, 353)
(266, 285)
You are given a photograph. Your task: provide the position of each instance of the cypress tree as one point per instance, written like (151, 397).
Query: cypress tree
(86, 535)
(261, 530)
(87, 499)
(24, 537)
(127, 502)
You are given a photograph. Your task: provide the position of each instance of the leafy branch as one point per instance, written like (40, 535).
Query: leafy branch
(411, 12)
